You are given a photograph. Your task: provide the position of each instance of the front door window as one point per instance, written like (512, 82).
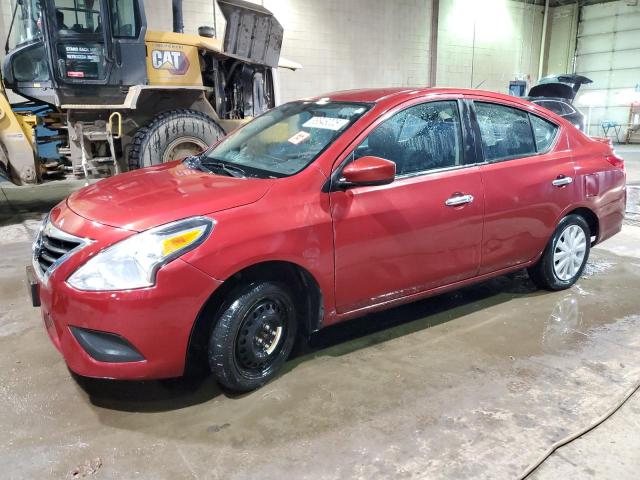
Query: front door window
(421, 138)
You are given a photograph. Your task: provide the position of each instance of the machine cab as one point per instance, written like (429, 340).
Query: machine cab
(61, 50)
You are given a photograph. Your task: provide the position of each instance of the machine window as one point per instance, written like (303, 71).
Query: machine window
(124, 19)
(26, 21)
(544, 133)
(30, 65)
(78, 16)
(421, 138)
(81, 50)
(506, 132)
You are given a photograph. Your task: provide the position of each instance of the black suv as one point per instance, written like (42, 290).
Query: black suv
(556, 93)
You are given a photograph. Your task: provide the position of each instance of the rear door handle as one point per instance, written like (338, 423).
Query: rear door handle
(561, 181)
(458, 200)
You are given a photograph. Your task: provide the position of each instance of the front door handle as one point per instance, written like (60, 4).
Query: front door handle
(561, 181)
(458, 200)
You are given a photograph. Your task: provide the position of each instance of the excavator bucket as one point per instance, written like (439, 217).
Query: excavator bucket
(252, 33)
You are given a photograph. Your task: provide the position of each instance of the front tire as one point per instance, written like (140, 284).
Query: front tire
(565, 256)
(171, 136)
(253, 336)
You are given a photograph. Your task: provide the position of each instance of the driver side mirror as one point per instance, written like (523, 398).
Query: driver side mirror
(368, 171)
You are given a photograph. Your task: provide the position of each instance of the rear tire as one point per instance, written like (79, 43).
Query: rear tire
(254, 334)
(565, 256)
(171, 136)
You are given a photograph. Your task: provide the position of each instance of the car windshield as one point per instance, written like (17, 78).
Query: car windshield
(26, 24)
(286, 139)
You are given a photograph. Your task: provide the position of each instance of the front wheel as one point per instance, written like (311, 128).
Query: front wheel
(565, 256)
(253, 336)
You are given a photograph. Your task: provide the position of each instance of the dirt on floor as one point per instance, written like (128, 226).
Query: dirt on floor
(476, 383)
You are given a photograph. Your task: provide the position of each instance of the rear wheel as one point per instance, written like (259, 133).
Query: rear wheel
(565, 256)
(253, 336)
(171, 136)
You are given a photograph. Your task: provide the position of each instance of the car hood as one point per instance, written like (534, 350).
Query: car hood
(560, 86)
(154, 196)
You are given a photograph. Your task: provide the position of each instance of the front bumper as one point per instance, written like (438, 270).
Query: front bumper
(148, 329)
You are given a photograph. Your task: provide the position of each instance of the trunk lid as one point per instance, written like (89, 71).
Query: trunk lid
(157, 195)
(559, 86)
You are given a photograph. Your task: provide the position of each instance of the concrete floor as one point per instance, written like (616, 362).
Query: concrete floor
(476, 383)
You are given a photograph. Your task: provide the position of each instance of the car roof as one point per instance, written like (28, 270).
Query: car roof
(400, 94)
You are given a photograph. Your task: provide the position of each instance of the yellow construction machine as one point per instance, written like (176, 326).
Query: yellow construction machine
(123, 97)
(17, 142)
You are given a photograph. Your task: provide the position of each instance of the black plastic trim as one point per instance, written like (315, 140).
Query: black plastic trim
(106, 347)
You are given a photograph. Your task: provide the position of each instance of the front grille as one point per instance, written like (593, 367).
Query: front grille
(52, 247)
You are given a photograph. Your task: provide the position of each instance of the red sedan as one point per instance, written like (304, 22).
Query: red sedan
(316, 212)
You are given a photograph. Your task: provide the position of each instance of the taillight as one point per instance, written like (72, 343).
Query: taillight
(614, 160)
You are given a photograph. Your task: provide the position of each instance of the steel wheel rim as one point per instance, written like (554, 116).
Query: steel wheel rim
(183, 147)
(261, 336)
(569, 252)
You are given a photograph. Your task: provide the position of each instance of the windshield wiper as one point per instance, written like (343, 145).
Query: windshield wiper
(195, 161)
(230, 170)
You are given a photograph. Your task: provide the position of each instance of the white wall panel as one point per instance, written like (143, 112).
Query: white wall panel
(353, 44)
(608, 52)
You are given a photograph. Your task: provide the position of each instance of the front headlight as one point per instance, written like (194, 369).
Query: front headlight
(133, 262)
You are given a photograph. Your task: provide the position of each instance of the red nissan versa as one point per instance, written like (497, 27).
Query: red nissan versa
(316, 212)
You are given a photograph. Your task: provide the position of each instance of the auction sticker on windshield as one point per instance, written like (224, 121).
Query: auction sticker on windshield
(299, 137)
(328, 123)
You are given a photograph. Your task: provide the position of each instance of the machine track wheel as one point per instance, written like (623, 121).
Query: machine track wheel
(171, 136)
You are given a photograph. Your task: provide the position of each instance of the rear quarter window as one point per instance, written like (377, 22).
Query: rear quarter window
(544, 132)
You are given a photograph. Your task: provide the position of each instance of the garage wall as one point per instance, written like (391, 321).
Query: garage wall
(609, 53)
(486, 44)
(354, 44)
(159, 15)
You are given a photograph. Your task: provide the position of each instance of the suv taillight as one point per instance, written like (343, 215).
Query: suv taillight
(615, 160)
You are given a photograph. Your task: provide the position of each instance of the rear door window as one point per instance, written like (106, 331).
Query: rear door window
(506, 132)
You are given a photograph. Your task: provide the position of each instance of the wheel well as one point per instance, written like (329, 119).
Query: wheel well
(304, 286)
(591, 219)
(153, 102)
